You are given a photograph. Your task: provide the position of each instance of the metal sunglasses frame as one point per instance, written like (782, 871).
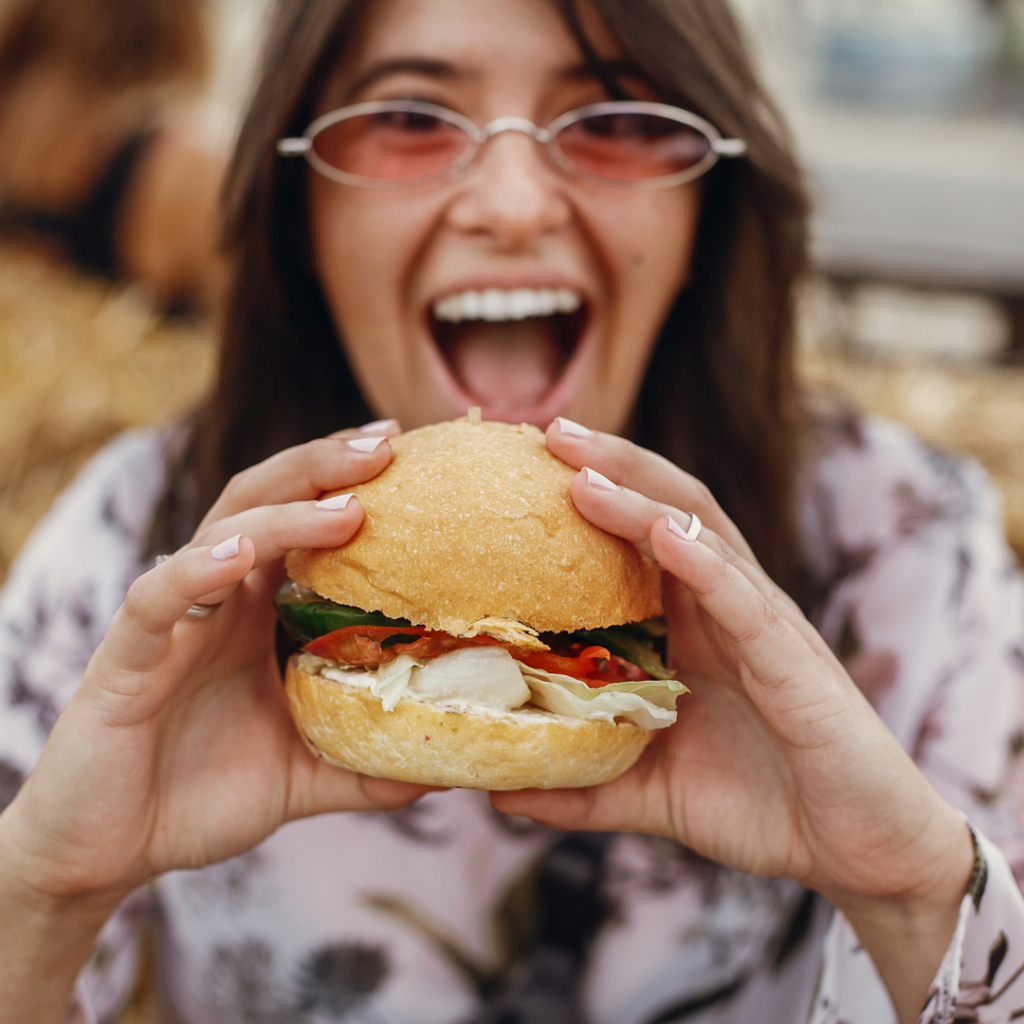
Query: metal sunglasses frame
(720, 147)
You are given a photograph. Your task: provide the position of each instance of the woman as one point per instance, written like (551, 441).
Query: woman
(685, 895)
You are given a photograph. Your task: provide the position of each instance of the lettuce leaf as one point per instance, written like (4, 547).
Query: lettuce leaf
(306, 615)
(650, 704)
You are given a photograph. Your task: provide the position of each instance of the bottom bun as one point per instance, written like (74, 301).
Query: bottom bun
(439, 745)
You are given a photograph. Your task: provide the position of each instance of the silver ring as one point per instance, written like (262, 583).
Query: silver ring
(694, 531)
(203, 611)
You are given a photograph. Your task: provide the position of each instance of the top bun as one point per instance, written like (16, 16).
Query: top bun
(471, 522)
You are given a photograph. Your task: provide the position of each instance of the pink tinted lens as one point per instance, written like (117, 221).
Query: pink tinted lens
(632, 147)
(393, 145)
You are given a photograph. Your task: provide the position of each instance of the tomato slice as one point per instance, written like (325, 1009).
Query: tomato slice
(618, 670)
(589, 660)
(364, 646)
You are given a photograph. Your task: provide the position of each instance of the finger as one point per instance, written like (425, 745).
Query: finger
(378, 428)
(790, 669)
(643, 471)
(302, 474)
(569, 810)
(628, 803)
(277, 529)
(316, 787)
(158, 600)
(632, 516)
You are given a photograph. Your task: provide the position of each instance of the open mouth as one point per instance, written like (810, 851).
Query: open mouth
(508, 348)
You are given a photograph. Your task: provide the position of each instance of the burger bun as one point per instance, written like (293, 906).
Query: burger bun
(442, 745)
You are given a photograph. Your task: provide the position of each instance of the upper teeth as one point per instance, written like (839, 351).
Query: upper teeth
(499, 304)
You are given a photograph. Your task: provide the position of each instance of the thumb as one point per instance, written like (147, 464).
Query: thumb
(316, 787)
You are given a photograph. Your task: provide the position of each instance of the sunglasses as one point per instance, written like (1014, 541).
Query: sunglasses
(398, 143)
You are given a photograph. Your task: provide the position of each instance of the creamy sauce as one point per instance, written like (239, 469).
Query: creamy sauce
(478, 678)
(490, 680)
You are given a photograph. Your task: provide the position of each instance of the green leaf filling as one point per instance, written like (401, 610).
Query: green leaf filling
(631, 642)
(306, 615)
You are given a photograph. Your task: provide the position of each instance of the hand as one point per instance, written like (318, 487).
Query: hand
(777, 765)
(177, 749)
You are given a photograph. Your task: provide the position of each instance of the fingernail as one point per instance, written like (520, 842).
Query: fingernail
(227, 549)
(602, 483)
(365, 444)
(336, 504)
(572, 428)
(688, 535)
(378, 426)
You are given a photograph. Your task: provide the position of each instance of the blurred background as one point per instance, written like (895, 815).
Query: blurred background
(909, 115)
(116, 120)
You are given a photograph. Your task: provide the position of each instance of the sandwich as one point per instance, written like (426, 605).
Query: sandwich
(477, 631)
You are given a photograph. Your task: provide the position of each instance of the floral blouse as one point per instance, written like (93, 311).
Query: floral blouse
(448, 913)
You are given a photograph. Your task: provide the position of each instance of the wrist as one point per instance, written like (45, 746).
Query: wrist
(47, 924)
(908, 930)
(932, 892)
(45, 940)
(38, 886)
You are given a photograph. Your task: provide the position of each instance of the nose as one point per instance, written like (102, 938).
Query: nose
(511, 193)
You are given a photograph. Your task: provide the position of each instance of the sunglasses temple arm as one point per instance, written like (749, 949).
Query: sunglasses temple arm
(294, 147)
(729, 147)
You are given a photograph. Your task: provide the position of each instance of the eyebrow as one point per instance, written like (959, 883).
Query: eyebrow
(430, 67)
(611, 68)
(426, 66)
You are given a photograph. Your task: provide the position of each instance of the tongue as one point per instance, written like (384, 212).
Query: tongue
(506, 365)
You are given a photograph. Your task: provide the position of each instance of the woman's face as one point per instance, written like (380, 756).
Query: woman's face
(386, 258)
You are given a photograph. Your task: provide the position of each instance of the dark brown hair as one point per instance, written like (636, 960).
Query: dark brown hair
(719, 397)
(114, 44)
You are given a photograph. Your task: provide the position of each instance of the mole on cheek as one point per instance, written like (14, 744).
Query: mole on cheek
(638, 259)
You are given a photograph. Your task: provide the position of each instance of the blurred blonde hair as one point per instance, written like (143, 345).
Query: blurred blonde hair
(110, 44)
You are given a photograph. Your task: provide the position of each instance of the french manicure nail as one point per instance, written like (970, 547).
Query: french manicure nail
(227, 549)
(572, 428)
(676, 530)
(366, 445)
(689, 535)
(336, 504)
(602, 483)
(378, 426)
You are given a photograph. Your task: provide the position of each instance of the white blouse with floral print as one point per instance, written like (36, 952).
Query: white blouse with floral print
(448, 913)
